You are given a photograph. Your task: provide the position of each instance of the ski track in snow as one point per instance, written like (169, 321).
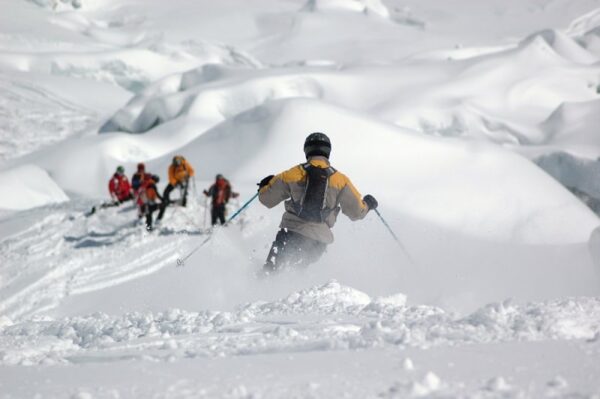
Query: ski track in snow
(49, 260)
(65, 253)
(31, 118)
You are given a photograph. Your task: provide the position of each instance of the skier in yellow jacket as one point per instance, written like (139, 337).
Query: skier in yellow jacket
(180, 172)
(314, 194)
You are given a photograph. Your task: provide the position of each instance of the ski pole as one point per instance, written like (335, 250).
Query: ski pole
(181, 261)
(241, 209)
(395, 236)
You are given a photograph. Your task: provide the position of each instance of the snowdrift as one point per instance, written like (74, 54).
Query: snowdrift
(523, 87)
(572, 127)
(356, 321)
(573, 172)
(458, 185)
(131, 68)
(375, 7)
(28, 186)
(563, 45)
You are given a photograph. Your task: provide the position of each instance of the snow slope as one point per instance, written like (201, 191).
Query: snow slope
(469, 122)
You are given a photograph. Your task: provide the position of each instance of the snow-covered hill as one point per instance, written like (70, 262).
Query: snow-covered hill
(473, 124)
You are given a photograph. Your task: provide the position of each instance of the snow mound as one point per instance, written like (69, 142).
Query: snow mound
(120, 49)
(28, 186)
(431, 179)
(573, 172)
(329, 298)
(420, 181)
(59, 5)
(573, 126)
(131, 68)
(260, 328)
(207, 96)
(591, 41)
(563, 45)
(585, 23)
(523, 87)
(375, 7)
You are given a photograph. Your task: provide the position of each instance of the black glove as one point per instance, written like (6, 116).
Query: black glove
(370, 201)
(264, 182)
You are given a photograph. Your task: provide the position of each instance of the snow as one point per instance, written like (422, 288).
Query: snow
(472, 123)
(29, 186)
(362, 6)
(359, 322)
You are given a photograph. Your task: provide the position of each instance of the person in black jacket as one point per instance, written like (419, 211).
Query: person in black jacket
(138, 177)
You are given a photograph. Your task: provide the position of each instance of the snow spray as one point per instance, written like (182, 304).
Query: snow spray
(395, 236)
(181, 261)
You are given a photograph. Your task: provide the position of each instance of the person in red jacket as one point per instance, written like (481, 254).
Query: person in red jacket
(220, 192)
(119, 187)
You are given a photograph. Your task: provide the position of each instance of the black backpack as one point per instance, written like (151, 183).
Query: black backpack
(312, 205)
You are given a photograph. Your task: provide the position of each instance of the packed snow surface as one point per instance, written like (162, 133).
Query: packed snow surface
(473, 123)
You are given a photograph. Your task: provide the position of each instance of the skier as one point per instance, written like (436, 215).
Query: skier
(220, 192)
(136, 183)
(314, 193)
(180, 172)
(138, 177)
(147, 196)
(119, 187)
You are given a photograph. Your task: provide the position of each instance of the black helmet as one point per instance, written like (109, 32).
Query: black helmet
(219, 176)
(317, 144)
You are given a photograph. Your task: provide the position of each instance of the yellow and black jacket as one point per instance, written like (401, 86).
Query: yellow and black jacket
(289, 186)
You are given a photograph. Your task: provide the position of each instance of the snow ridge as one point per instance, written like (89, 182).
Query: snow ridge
(353, 321)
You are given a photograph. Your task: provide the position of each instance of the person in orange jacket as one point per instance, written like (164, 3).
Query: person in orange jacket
(180, 172)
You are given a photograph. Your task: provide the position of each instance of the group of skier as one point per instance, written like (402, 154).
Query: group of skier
(144, 192)
(313, 192)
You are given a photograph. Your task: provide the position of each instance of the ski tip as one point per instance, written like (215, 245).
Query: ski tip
(180, 262)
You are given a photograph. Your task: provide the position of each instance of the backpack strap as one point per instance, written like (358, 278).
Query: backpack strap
(330, 169)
